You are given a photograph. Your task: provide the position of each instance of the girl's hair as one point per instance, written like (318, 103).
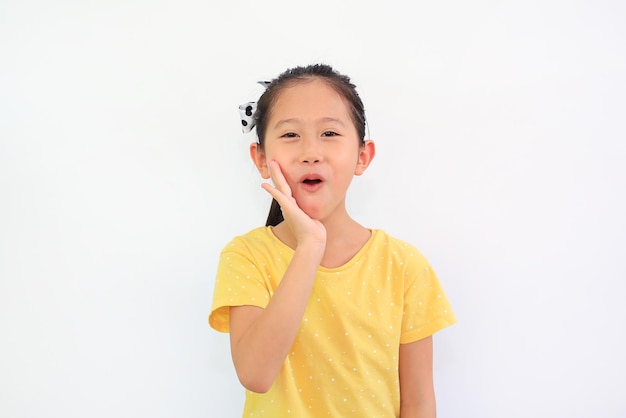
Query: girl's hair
(339, 82)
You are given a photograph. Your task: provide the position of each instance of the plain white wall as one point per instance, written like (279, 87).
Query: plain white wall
(123, 172)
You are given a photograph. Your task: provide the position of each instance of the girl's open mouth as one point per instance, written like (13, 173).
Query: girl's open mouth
(312, 181)
(312, 184)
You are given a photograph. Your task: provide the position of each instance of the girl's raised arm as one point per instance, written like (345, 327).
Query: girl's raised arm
(260, 338)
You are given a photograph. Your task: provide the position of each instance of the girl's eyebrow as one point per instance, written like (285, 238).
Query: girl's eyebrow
(320, 120)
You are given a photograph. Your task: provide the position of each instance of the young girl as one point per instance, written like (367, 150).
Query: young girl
(327, 318)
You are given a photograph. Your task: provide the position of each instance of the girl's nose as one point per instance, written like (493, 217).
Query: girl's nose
(311, 151)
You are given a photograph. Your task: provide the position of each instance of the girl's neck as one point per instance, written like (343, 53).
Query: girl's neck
(344, 238)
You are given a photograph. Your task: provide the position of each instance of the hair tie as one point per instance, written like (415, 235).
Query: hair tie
(246, 111)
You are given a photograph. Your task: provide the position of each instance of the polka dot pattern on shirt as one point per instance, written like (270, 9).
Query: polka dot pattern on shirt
(344, 361)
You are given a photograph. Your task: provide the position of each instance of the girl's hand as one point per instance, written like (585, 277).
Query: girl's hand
(305, 229)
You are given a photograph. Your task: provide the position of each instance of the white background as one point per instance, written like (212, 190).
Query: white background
(501, 140)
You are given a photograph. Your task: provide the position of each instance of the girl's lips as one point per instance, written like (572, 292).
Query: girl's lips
(312, 178)
(311, 186)
(311, 182)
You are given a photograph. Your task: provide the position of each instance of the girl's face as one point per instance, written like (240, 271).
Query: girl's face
(310, 134)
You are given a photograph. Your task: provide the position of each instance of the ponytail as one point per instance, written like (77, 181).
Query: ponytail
(275, 216)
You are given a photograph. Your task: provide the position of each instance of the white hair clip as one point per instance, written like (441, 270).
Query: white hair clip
(246, 111)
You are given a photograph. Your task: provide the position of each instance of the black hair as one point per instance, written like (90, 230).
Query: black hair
(339, 82)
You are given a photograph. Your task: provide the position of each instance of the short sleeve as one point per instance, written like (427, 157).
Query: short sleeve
(239, 282)
(426, 307)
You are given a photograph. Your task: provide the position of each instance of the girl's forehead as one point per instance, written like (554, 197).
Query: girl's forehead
(315, 95)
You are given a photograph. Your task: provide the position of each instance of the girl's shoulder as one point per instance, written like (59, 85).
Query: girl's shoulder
(393, 243)
(257, 239)
(385, 246)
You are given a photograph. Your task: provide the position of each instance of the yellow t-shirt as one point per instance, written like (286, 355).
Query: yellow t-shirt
(344, 360)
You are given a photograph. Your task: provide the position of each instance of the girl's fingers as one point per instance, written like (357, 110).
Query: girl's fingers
(283, 199)
(302, 226)
(278, 178)
(280, 189)
(274, 192)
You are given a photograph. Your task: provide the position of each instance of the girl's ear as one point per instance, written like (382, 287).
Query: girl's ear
(366, 154)
(258, 157)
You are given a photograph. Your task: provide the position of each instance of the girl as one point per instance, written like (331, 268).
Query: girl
(327, 318)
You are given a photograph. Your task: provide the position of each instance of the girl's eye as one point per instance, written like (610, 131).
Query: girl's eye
(290, 135)
(330, 133)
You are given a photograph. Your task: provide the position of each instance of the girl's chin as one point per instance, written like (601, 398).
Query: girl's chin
(316, 209)
(313, 212)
